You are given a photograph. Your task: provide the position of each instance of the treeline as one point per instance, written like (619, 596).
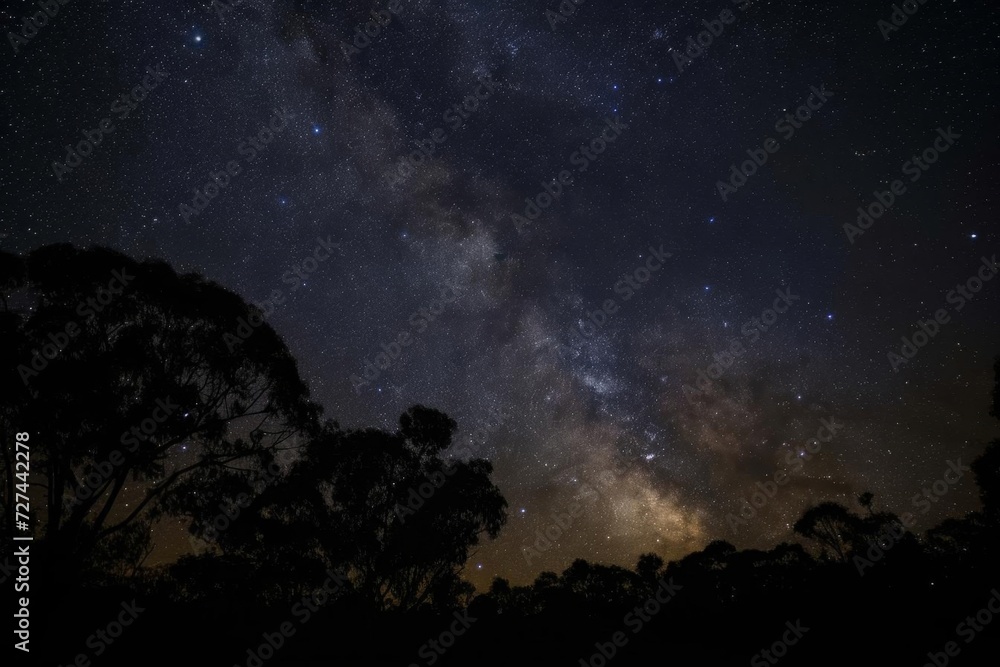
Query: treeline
(305, 536)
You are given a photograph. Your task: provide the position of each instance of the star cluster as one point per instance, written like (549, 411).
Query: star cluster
(582, 399)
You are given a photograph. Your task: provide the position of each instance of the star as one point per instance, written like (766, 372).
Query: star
(570, 341)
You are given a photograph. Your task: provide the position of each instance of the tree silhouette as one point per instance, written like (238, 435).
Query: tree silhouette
(865, 500)
(832, 525)
(995, 409)
(122, 374)
(954, 538)
(986, 467)
(278, 501)
(648, 567)
(384, 507)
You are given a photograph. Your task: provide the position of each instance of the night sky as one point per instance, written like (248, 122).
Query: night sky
(567, 403)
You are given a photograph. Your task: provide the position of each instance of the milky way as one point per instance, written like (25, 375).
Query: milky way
(614, 330)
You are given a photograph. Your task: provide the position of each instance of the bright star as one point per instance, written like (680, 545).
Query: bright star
(974, 235)
(829, 316)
